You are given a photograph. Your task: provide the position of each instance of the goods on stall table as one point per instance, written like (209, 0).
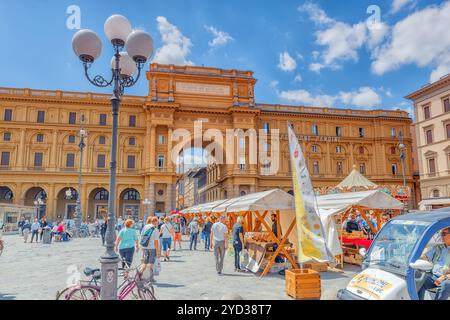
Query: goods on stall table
(303, 284)
(353, 235)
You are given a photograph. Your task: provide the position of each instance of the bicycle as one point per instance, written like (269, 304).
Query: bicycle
(89, 291)
(93, 273)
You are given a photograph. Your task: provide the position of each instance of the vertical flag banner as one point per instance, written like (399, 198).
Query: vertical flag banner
(310, 234)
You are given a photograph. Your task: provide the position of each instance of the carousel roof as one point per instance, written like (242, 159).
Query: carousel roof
(355, 179)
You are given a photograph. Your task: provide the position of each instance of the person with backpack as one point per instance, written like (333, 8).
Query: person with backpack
(194, 229)
(167, 233)
(177, 233)
(26, 229)
(150, 246)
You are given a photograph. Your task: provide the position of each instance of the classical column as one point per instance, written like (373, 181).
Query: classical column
(169, 197)
(151, 196)
(22, 146)
(147, 144)
(51, 203)
(54, 150)
(170, 165)
(236, 191)
(152, 148)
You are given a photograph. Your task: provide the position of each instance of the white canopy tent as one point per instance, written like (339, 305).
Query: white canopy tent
(332, 204)
(354, 180)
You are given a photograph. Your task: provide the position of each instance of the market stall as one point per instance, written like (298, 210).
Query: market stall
(334, 209)
(262, 244)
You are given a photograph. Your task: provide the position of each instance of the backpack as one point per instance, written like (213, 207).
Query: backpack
(145, 239)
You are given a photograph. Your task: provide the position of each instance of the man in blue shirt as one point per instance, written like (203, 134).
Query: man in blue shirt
(440, 277)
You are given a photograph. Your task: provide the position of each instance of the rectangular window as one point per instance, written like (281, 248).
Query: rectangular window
(5, 158)
(339, 168)
(447, 127)
(393, 150)
(266, 127)
(71, 139)
(314, 148)
(8, 115)
(102, 119)
(161, 139)
(361, 132)
(338, 131)
(161, 161)
(72, 117)
(447, 105)
(429, 136)
(361, 150)
(101, 140)
(131, 162)
(70, 160)
(132, 141)
(7, 136)
(132, 121)
(38, 157)
(40, 137)
(315, 130)
(41, 117)
(432, 166)
(338, 149)
(362, 168)
(426, 112)
(393, 133)
(394, 169)
(101, 159)
(316, 168)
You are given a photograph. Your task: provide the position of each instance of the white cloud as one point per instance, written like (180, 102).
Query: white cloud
(287, 63)
(422, 38)
(397, 5)
(274, 84)
(364, 97)
(298, 78)
(316, 67)
(220, 37)
(316, 14)
(315, 55)
(377, 34)
(176, 47)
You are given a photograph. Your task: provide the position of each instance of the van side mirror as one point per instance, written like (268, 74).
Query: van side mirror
(422, 265)
(363, 252)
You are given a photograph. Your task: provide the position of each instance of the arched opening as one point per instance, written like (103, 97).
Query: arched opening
(436, 193)
(36, 197)
(98, 204)
(130, 204)
(66, 203)
(6, 195)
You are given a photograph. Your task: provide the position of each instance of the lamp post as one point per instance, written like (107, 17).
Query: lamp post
(38, 202)
(146, 204)
(81, 145)
(139, 47)
(401, 146)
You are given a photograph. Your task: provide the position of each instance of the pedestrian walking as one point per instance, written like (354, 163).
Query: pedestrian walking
(238, 241)
(193, 230)
(43, 224)
(103, 228)
(127, 243)
(219, 241)
(35, 230)
(177, 233)
(207, 231)
(167, 233)
(20, 225)
(183, 223)
(26, 228)
(150, 246)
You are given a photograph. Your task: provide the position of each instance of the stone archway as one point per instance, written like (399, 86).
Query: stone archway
(65, 204)
(32, 195)
(6, 195)
(98, 204)
(130, 203)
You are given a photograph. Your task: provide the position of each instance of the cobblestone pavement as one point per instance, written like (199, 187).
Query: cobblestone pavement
(30, 271)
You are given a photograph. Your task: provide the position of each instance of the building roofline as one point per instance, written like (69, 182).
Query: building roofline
(443, 81)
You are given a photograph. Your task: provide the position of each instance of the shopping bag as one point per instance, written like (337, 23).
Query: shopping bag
(157, 267)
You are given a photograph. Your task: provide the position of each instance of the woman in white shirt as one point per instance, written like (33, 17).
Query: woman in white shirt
(167, 234)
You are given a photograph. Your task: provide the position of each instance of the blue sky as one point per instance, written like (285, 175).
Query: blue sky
(320, 53)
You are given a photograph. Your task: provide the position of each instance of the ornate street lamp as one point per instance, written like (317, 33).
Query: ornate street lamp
(401, 146)
(81, 145)
(139, 47)
(38, 202)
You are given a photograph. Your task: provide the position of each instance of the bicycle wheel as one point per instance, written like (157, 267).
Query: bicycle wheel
(147, 293)
(84, 293)
(63, 295)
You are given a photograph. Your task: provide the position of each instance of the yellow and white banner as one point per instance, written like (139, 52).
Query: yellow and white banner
(311, 238)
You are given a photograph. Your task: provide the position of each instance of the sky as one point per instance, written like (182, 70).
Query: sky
(346, 54)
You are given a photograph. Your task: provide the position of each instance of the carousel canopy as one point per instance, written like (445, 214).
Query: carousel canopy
(275, 199)
(355, 179)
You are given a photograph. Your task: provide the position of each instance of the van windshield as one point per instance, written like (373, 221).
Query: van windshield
(394, 244)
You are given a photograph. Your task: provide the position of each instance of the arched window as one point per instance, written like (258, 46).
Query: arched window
(131, 195)
(102, 195)
(436, 193)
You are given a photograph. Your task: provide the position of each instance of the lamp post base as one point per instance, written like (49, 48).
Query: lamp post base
(109, 270)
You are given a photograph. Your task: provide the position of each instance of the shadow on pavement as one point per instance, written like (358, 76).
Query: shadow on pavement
(168, 285)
